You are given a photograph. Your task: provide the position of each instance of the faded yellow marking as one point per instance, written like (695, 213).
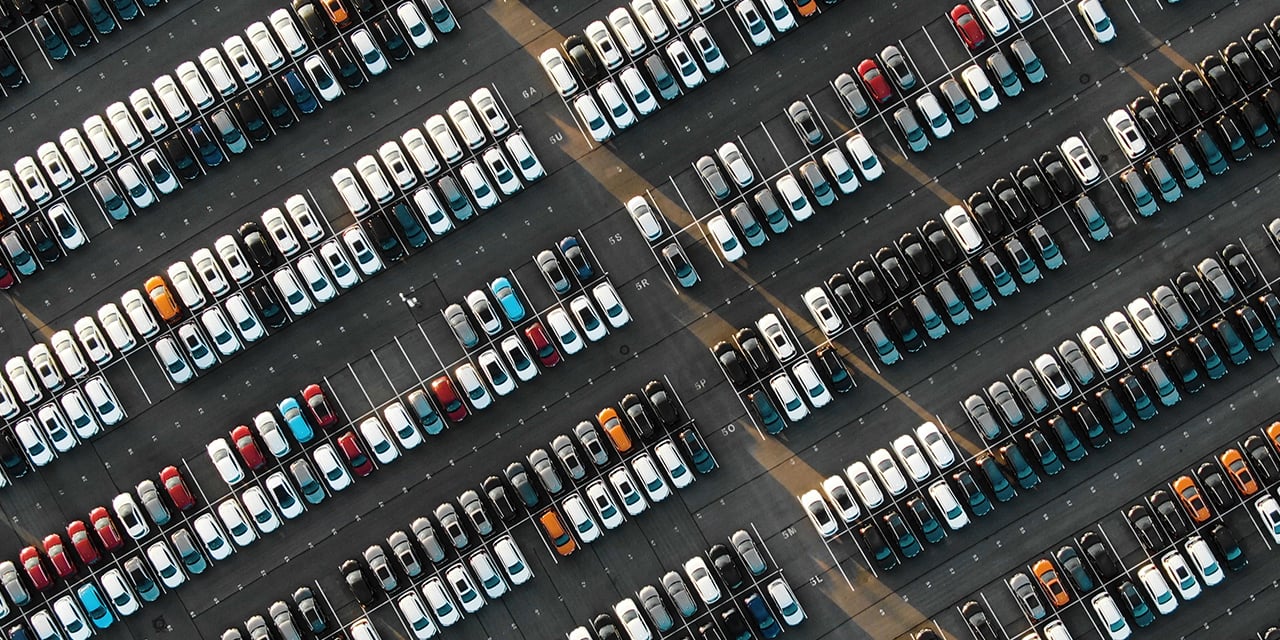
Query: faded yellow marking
(923, 178)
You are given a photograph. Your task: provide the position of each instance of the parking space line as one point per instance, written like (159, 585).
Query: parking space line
(715, 249)
(1088, 40)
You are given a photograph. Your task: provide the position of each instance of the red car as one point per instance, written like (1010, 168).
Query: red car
(360, 463)
(177, 488)
(30, 559)
(58, 556)
(321, 413)
(447, 397)
(968, 28)
(542, 345)
(102, 525)
(874, 81)
(242, 439)
(6, 277)
(78, 534)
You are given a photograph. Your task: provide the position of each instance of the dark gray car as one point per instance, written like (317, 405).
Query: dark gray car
(805, 124)
(981, 416)
(847, 87)
(568, 456)
(898, 68)
(474, 508)
(545, 471)
(712, 178)
(461, 325)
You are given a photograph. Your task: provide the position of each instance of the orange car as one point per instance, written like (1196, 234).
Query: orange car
(612, 426)
(1191, 498)
(560, 538)
(1050, 583)
(337, 13)
(1239, 471)
(1273, 432)
(806, 7)
(162, 299)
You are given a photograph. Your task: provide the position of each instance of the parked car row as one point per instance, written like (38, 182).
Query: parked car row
(747, 363)
(412, 158)
(81, 412)
(66, 24)
(1231, 93)
(737, 569)
(297, 422)
(143, 173)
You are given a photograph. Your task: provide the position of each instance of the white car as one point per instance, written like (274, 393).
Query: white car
(643, 216)
(647, 473)
(1147, 322)
(1080, 160)
(587, 318)
(638, 91)
(263, 45)
(392, 157)
(651, 20)
(624, 27)
(295, 298)
(69, 354)
(465, 122)
(303, 217)
(841, 498)
(358, 244)
(1176, 569)
(673, 464)
(632, 501)
(566, 336)
(1109, 614)
(238, 52)
(23, 381)
(228, 251)
(979, 87)
(724, 238)
(32, 181)
(92, 341)
(960, 223)
(1099, 349)
(56, 427)
(908, 453)
(322, 77)
(780, 15)
(172, 99)
(993, 17)
(420, 33)
(615, 105)
(8, 408)
(441, 604)
(165, 565)
(209, 273)
(481, 191)
(438, 128)
(789, 399)
(838, 167)
(44, 367)
(121, 595)
(144, 106)
(1098, 21)
(271, 434)
(33, 442)
(415, 144)
(283, 496)
(129, 515)
(518, 356)
(1052, 376)
(776, 336)
(259, 509)
(429, 206)
(414, 611)
(184, 282)
(501, 171)
(603, 505)
(100, 139)
(331, 467)
(752, 21)
(603, 44)
(77, 151)
(1126, 134)
(193, 84)
(464, 588)
(937, 119)
(785, 601)
(368, 52)
(686, 66)
(287, 30)
(530, 167)
(236, 522)
(135, 185)
(580, 519)
(614, 311)
(104, 401)
(696, 569)
(352, 196)
(1269, 510)
(736, 164)
(1203, 559)
(471, 385)
(67, 226)
(824, 314)
(860, 478)
(864, 157)
(631, 619)
(935, 445)
(216, 68)
(558, 71)
(55, 164)
(71, 618)
(706, 47)
(212, 537)
(117, 329)
(374, 179)
(1122, 334)
(794, 198)
(123, 124)
(945, 500)
(224, 460)
(496, 373)
(278, 230)
(317, 282)
(401, 425)
(244, 318)
(175, 365)
(339, 266)
(811, 384)
(888, 472)
(818, 512)
(1158, 589)
(590, 114)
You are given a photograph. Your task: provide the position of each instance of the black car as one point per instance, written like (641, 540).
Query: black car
(348, 71)
(1100, 557)
(1270, 304)
(73, 25)
(1075, 568)
(637, 416)
(262, 253)
(265, 302)
(917, 254)
(1060, 178)
(1244, 66)
(894, 272)
(1220, 79)
(875, 545)
(726, 566)
(1194, 295)
(255, 124)
(984, 209)
(10, 75)
(1010, 200)
(1240, 267)
(1255, 124)
(972, 493)
(1184, 367)
(1216, 486)
(605, 627)
(7, 18)
(42, 240)
(834, 370)
(180, 158)
(1228, 548)
(907, 332)
(846, 298)
(388, 245)
(390, 39)
(353, 575)
(1168, 510)
(1145, 528)
(734, 624)
(1271, 102)
(316, 24)
(1137, 396)
(1147, 115)
(1265, 52)
(273, 101)
(661, 403)
(1197, 93)
(583, 59)
(1262, 459)
(1227, 129)
(1033, 188)
(15, 466)
(731, 361)
(874, 287)
(1090, 425)
(1139, 611)
(979, 621)
(696, 451)
(756, 354)
(944, 247)
(500, 497)
(1174, 107)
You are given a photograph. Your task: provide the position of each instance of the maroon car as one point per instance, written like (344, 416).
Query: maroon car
(447, 397)
(360, 463)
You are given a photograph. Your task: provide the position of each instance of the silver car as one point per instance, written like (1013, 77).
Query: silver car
(545, 471)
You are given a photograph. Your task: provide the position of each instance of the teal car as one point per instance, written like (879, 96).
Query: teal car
(1143, 407)
(933, 325)
(506, 296)
(1022, 471)
(1000, 277)
(1213, 365)
(1072, 448)
(1211, 153)
(884, 347)
(1000, 485)
(295, 420)
(751, 229)
(1139, 193)
(99, 613)
(1028, 60)
(1027, 268)
(956, 309)
(1092, 218)
(1166, 390)
(926, 521)
(977, 499)
(977, 291)
(773, 423)
(908, 544)
(773, 214)
(1121, 423)
(685, 274)
(911, 129)
(1236, 350)
(22, 259)
(1048, 458)
(1186, 165)
(1050, 253)
(414, 235)
(1257, 330)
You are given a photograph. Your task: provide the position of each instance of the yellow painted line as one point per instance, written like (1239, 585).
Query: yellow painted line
(1174, 57)
(921, 177)
(1140, 79)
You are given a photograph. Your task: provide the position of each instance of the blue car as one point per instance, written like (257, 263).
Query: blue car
(1050, 253)
(765, 623)
(685, 274)
(99, 613)
(296, 421)
(302, 96)
(506, 296)
(573, 252)
(773, 423)
(210, 153)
